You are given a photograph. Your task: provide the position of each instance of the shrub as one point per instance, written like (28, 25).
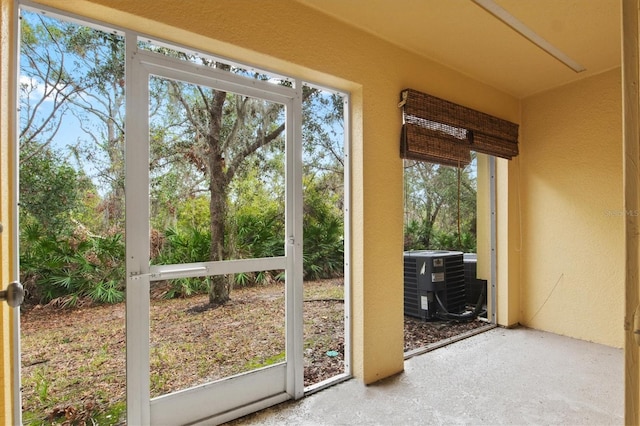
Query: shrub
(68, 268)
(259, 234)
(185, 245)
(323, 255)
(450, 241)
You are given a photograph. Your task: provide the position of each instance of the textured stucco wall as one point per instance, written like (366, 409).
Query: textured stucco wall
(285, 36)
(572, 247)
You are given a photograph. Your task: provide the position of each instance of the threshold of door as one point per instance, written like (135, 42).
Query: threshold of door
(326, 383)
(448, 341)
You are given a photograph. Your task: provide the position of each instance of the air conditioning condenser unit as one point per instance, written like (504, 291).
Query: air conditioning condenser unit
(434, 283)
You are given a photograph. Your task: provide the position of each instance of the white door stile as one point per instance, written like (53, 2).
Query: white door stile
(14, 162)
(347, 235)
(137, 237)
(294, 230)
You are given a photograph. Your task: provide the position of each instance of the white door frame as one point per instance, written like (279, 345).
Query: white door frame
(243, 393)
(13, 227)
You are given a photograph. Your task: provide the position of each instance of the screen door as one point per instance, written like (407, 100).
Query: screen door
(219, 132)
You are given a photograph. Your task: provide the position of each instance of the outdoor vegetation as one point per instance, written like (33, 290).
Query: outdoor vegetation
(217, 174)
(440, 206)
(217, 188)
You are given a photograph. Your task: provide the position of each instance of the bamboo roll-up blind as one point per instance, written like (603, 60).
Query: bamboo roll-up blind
(440, 131)
(425, 144)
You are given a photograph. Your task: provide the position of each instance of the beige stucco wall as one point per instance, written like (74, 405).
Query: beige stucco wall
(572, 246)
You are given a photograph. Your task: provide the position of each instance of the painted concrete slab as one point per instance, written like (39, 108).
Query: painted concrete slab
(511, 377)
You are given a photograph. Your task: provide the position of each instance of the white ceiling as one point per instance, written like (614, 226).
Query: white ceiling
(463, 36)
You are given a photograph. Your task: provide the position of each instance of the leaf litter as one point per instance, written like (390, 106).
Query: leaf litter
(73, 360)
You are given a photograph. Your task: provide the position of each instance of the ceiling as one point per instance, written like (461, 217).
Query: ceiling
(462, 35)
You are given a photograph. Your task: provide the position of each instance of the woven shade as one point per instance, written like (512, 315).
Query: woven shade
(427, 144)
(440, 131)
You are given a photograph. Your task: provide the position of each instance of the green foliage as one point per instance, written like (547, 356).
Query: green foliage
(88, 414)
(255, 222)
(50, 189)
(450, 241)
(203, 144)
(256, 229)
(185, 287)
(90, 203)
(416, 233)
(68, 268)
(323, 244)
(260, 234)
(440, 204)
(193, 212)
(186, 245)
(261, 361)
(113, 415)
(73, 76)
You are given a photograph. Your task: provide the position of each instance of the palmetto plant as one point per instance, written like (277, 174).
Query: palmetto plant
(259, 234)
(323, 255)
(71, 267)
(185, 245)
(323, 246)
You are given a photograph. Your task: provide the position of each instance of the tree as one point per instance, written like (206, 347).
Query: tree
(45, 85)
(70, 73)
(99, 109)
(68, 70)
(223, 131)
(201, 139)
(50, 189)
(218, 123)
(439, 206)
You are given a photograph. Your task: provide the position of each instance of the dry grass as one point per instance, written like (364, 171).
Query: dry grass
(73, 360)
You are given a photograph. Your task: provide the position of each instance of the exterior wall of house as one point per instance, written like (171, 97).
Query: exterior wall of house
(284, 36)
(572, 245)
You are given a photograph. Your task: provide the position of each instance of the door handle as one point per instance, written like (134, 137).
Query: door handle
(14, 294)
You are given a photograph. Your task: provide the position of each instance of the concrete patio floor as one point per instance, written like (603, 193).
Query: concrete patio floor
(516, 376)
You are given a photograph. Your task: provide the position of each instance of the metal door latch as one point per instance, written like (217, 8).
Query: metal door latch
(14, 294)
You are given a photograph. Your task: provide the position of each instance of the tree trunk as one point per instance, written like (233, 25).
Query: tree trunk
(220, 284)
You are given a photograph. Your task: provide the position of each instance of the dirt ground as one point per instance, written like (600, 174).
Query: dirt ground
(74, 359)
